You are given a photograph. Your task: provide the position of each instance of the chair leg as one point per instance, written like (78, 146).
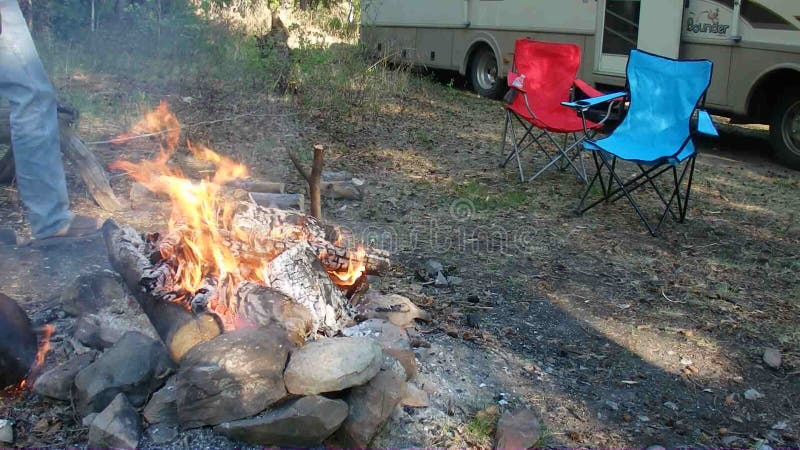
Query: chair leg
(503, 141)
(630, 198)
(688, 190)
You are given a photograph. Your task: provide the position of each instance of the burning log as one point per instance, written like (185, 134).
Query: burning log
(298, 274)
(178, 328)
(279, 201)
(265, 232)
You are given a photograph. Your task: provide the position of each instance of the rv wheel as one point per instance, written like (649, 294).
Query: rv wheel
(483, 74)
(784, 129)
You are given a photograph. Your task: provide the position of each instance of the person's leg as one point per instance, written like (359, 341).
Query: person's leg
(34, 126)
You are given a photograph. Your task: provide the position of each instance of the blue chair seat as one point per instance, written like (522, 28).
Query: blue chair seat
(641, 151)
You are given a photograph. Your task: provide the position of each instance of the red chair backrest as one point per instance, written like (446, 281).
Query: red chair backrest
(550, 70)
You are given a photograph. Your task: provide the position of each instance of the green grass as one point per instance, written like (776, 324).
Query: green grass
(484, 199)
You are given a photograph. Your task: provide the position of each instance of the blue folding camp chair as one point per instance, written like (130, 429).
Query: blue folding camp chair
(656, 134)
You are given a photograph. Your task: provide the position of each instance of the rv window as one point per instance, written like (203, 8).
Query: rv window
(621, 26)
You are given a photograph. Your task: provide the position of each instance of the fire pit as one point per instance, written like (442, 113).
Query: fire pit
(248, 302)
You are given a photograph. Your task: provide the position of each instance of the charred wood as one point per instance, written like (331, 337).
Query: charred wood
(178, 328)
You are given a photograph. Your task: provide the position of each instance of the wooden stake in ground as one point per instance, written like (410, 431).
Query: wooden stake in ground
(312, 178)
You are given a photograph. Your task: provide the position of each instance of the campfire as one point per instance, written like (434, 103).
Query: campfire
(217, 241)
(254, 313)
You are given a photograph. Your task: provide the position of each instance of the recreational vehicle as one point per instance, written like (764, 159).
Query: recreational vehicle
(754, 44)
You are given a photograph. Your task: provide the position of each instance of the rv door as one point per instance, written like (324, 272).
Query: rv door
(650, 25)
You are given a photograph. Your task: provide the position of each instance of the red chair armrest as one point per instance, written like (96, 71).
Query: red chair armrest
(512, 77)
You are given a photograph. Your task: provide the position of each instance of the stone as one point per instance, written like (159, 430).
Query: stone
(440, 281)
(372, 404)
(232, 376)
(393, 340)
(163, 405)
(455, 281)
(304, 422)
(162, 433)
(136, 365)
(332, 364)
(262, 307)
(752, 394)
(103, 329)
(474, 320)
(415, 397)
(772, 357)
(118, 426)
(87, 421)
(517, 430)
(394, 308)
(91, 292)
(57, 382)
(6, 431)
(432, 268)
(18, 342)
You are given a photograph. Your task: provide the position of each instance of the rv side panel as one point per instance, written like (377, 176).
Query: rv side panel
(720, 55)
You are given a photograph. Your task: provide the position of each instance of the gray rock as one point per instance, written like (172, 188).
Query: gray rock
(772, 357)
(163, 405)
(103, 329)
(455, 281)
(440, 281)
(87, 421)
(372, 404)
(304, 422)
(332, 364)
(517, 430)
(6, 431)
(263, 307)
(118, 426)
(91, 292)
(136, 366)
(57, 383)
(433, 268)
(393, 339)
(87, 332)
(232, 376)
(162, 433)
(752, 394)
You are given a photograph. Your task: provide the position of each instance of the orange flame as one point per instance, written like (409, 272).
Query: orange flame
(201, 217)
(159, 121)
(41, 353)
(355, 268)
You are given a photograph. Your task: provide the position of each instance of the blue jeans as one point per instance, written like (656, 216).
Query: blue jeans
(34, 126)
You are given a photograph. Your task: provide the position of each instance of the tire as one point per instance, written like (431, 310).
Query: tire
(483, 74)
(784, 129)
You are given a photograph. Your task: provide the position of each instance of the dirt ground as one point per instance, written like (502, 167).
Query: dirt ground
(615, 338)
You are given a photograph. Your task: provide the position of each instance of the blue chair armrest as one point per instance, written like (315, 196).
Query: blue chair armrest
(705, 125)
(589, 102)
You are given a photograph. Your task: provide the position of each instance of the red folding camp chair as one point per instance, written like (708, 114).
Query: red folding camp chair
(542, 77)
